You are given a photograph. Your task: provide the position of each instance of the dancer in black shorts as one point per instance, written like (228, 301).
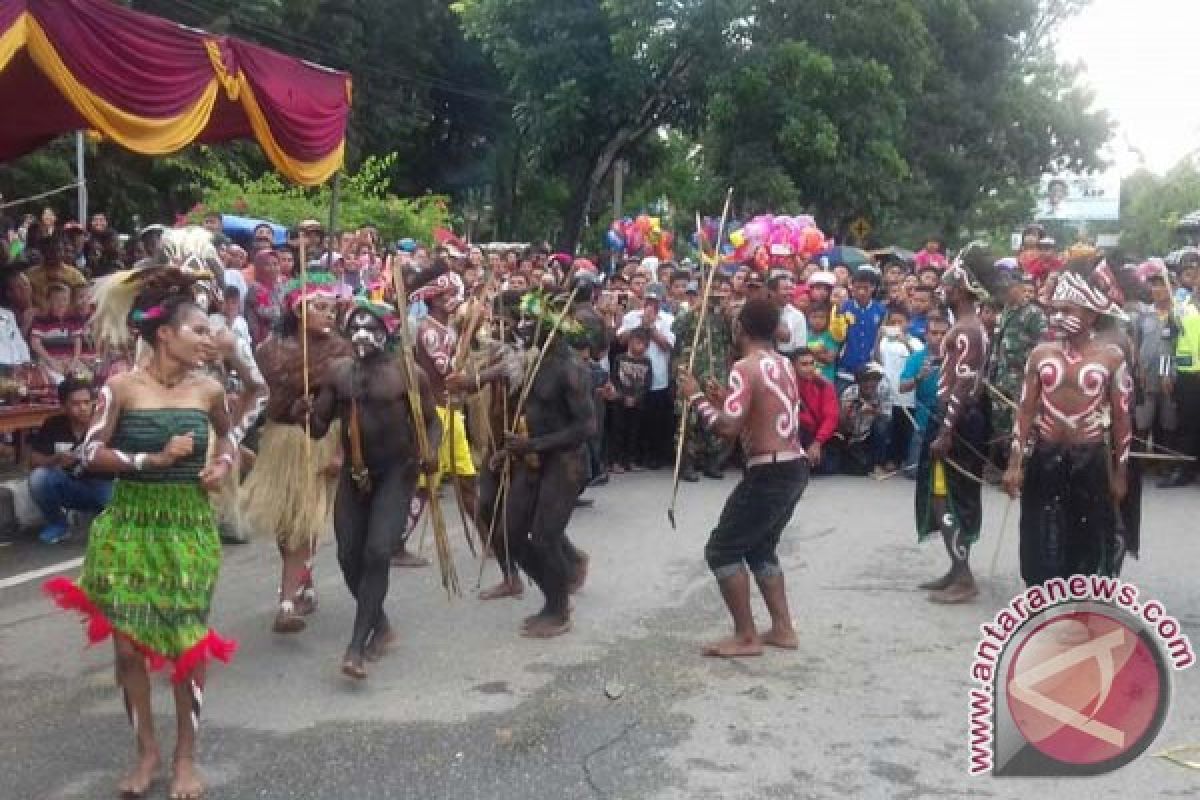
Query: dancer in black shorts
(761, 405)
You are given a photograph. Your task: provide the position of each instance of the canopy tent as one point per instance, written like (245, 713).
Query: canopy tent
(154, 87)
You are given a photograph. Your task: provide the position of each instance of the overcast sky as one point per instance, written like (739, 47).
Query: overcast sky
(1143, 61)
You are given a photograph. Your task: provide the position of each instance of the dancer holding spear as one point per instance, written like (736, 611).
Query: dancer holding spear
(390, 430)
(700, 327)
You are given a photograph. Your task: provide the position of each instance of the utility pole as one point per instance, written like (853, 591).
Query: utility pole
(620, 167)
(81, 197)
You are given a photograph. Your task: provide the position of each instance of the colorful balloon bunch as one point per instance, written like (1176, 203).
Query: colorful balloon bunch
(781, 236)
(640, 236)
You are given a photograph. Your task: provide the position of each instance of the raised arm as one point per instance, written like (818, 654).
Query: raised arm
(725, 412)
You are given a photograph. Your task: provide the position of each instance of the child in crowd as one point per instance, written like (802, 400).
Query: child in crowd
(821, 342)
(56, 337)
(894, 348)
(631, 379)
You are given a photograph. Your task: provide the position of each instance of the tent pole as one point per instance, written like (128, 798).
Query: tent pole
(81, 177)
(333, 209)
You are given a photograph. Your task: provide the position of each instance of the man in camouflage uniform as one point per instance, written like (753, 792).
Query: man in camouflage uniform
(1022, 325)
(702, 448)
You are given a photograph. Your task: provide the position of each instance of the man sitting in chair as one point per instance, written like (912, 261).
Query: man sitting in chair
(58, 482)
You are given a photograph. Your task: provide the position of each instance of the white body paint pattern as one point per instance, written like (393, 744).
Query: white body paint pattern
(780, 381)
(735, 403)
(439, 342)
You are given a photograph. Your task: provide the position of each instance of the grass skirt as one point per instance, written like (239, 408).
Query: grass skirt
(286, 497)
(149, 574)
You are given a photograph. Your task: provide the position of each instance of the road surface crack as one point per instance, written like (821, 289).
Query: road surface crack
(587, 769)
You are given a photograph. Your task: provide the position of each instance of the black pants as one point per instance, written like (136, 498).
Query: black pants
(900, 437)
(368, 528)
(626, 438)
(1187, 401)
(538, 509)
(1068, 521)
(658, 428)
(753, 519)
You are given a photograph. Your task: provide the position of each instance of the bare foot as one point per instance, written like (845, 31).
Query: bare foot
(407, 559)
(138, 780)
(734, 647)
(288, 621)
(962, 591)
(352, 666)
(580, 577)
(937, 584)
(509, 587)
(786, 639)
(185, 783)
(381, 642)
(546, 627)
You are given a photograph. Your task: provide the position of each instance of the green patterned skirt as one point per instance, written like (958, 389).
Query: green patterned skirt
(149, 575)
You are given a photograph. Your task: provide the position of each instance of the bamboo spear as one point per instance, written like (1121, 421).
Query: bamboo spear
(701, 322)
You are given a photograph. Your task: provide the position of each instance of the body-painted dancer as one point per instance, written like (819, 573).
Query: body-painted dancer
(761, 406)
(436, 345)
(948, 496)
(548, 468)
(502, 370)
(287, 496)
(153, 554)
(1071, 480)
(369, 396)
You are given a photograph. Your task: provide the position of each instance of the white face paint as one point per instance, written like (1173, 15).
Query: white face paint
(367, 334)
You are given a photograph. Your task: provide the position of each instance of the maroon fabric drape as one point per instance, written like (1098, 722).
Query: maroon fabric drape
(145, 65)
(153, 69)
(303, 108)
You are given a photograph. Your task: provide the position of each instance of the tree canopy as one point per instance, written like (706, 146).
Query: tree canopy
(920, 115)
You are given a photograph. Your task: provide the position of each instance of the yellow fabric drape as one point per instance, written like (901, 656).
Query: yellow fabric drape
(170, 134)
(308, 173)
(153, 137)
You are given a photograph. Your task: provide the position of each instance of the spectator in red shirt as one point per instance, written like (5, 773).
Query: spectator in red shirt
(819, 407)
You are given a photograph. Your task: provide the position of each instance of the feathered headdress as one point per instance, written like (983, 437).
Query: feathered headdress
(437, 282)
(185, 257)
(381, 311)
(319, 284)
(1074, 289)
(975, 270)
(540, 305)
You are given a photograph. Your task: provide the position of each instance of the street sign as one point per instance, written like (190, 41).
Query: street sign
(861, 229)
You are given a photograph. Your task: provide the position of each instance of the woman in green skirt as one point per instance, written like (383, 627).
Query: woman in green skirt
(153, 555)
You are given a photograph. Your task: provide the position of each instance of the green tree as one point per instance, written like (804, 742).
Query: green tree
(1151, 206)
(594, 77)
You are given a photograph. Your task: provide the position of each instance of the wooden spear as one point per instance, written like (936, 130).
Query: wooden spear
(701, 322)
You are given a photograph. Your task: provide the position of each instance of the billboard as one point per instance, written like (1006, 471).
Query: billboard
(1079, 198)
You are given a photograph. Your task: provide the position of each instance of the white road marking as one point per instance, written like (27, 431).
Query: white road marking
(33, 575)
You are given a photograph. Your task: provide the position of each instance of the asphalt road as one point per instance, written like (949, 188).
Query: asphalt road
(873, 705)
